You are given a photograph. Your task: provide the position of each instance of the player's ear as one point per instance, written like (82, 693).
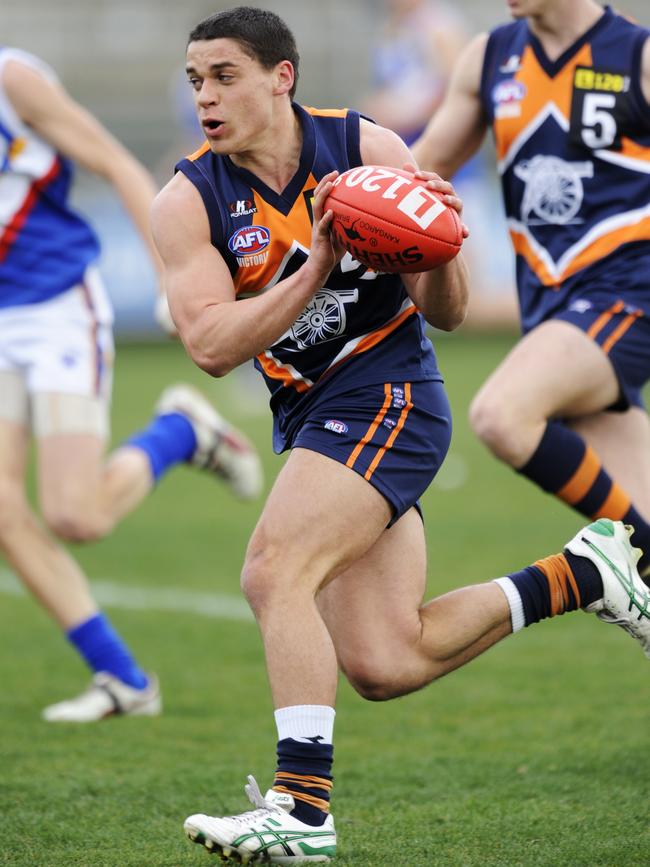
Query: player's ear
(284, 77)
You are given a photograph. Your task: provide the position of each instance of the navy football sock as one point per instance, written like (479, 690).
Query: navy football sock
(305, 772)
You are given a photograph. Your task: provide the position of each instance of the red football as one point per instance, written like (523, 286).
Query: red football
(389, 220)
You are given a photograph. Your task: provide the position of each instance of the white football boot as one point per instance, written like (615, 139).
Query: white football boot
(626, 599)
(267, 834)
(221, 448)
(107, 696)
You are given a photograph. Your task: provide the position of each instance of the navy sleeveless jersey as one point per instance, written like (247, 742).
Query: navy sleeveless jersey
(573, 147)
(361, 327)
(45, 247)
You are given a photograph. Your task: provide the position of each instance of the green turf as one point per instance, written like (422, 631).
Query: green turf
(536, 754)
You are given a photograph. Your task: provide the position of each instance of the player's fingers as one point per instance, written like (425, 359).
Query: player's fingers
(454, 202)
(321, 193)
(465, 230)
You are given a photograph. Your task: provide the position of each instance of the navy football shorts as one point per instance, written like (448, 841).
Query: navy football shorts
(623, 333)
(394, 434)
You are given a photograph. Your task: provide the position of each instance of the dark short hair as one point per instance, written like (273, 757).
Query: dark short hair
(263, 35)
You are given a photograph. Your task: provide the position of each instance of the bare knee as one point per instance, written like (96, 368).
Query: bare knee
(266, 576)
(382, 680)
(496, 423)
(72, 520)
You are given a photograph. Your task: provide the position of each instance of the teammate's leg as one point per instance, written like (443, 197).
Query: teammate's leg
(556, 371)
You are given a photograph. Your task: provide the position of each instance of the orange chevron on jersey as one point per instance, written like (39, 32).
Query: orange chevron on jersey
(543, 93)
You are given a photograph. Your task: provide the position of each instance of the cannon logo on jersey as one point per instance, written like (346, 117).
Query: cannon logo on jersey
(323, 318)
(250, 245)
(554, 190)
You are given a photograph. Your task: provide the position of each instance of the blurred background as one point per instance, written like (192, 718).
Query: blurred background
(389, 58)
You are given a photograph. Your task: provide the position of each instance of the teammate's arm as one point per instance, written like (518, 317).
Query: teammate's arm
(46, 107)
(440, 294)
(218, 333)
(645, 70)
(456, 130)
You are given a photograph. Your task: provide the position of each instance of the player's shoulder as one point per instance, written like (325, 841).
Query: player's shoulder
(16, 63)
(178, 204)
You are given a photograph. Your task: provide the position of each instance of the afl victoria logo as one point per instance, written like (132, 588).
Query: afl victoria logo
(249, 244)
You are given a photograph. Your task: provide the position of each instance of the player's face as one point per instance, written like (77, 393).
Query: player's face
(233, 94)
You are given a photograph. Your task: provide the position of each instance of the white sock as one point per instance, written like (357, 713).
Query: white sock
(306, 722)
(517, 618)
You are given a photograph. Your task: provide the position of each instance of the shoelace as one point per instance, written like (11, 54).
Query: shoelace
(263, 808)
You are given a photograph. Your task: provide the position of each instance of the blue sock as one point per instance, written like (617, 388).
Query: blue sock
(169, 440)
(103, 649)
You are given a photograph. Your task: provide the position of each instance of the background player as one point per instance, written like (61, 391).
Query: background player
(565, 89)
(56, 354)
(336, 567)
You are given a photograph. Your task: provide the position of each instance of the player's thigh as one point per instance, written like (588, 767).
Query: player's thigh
(14, 435)
(371, 608)
(556, 369)
(361, 459)
(70, 468)
(622, 442)
(319, 517)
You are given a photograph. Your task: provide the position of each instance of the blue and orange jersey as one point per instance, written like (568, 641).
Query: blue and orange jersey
(45, 247)
(573, 148)
(362, 321)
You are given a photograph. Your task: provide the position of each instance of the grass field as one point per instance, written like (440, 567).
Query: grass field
(536, 754)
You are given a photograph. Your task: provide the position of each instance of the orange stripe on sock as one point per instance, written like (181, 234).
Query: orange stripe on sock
(581, 481)
(319, 803)
(391, 439)
(598, 325)
(616, 505)
(558, 574)
(369, 434)
(305, 780)
(620, 330)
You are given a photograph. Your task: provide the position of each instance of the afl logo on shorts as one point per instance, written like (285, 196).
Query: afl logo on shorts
(249, 244)
(338, 427)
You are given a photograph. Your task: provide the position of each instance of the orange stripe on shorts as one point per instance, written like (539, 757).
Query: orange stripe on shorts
(391, 439)
(620, 330)
(598, 325)
(369, 434)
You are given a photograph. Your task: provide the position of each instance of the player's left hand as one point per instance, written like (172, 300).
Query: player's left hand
(325, 252)
(449, 195)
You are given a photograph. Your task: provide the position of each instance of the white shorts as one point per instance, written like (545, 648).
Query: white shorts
(56, 361)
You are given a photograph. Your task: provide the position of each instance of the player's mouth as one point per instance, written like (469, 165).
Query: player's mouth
(212, 128)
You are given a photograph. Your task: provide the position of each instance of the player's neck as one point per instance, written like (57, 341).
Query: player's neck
(562, 24)
(276, 155)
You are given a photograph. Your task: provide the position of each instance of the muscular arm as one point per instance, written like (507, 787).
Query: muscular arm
(48, 109)
(219, 333)
(456, 130)
(441, 294)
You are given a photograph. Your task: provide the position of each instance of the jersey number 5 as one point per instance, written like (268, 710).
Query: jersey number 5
(598, 124)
